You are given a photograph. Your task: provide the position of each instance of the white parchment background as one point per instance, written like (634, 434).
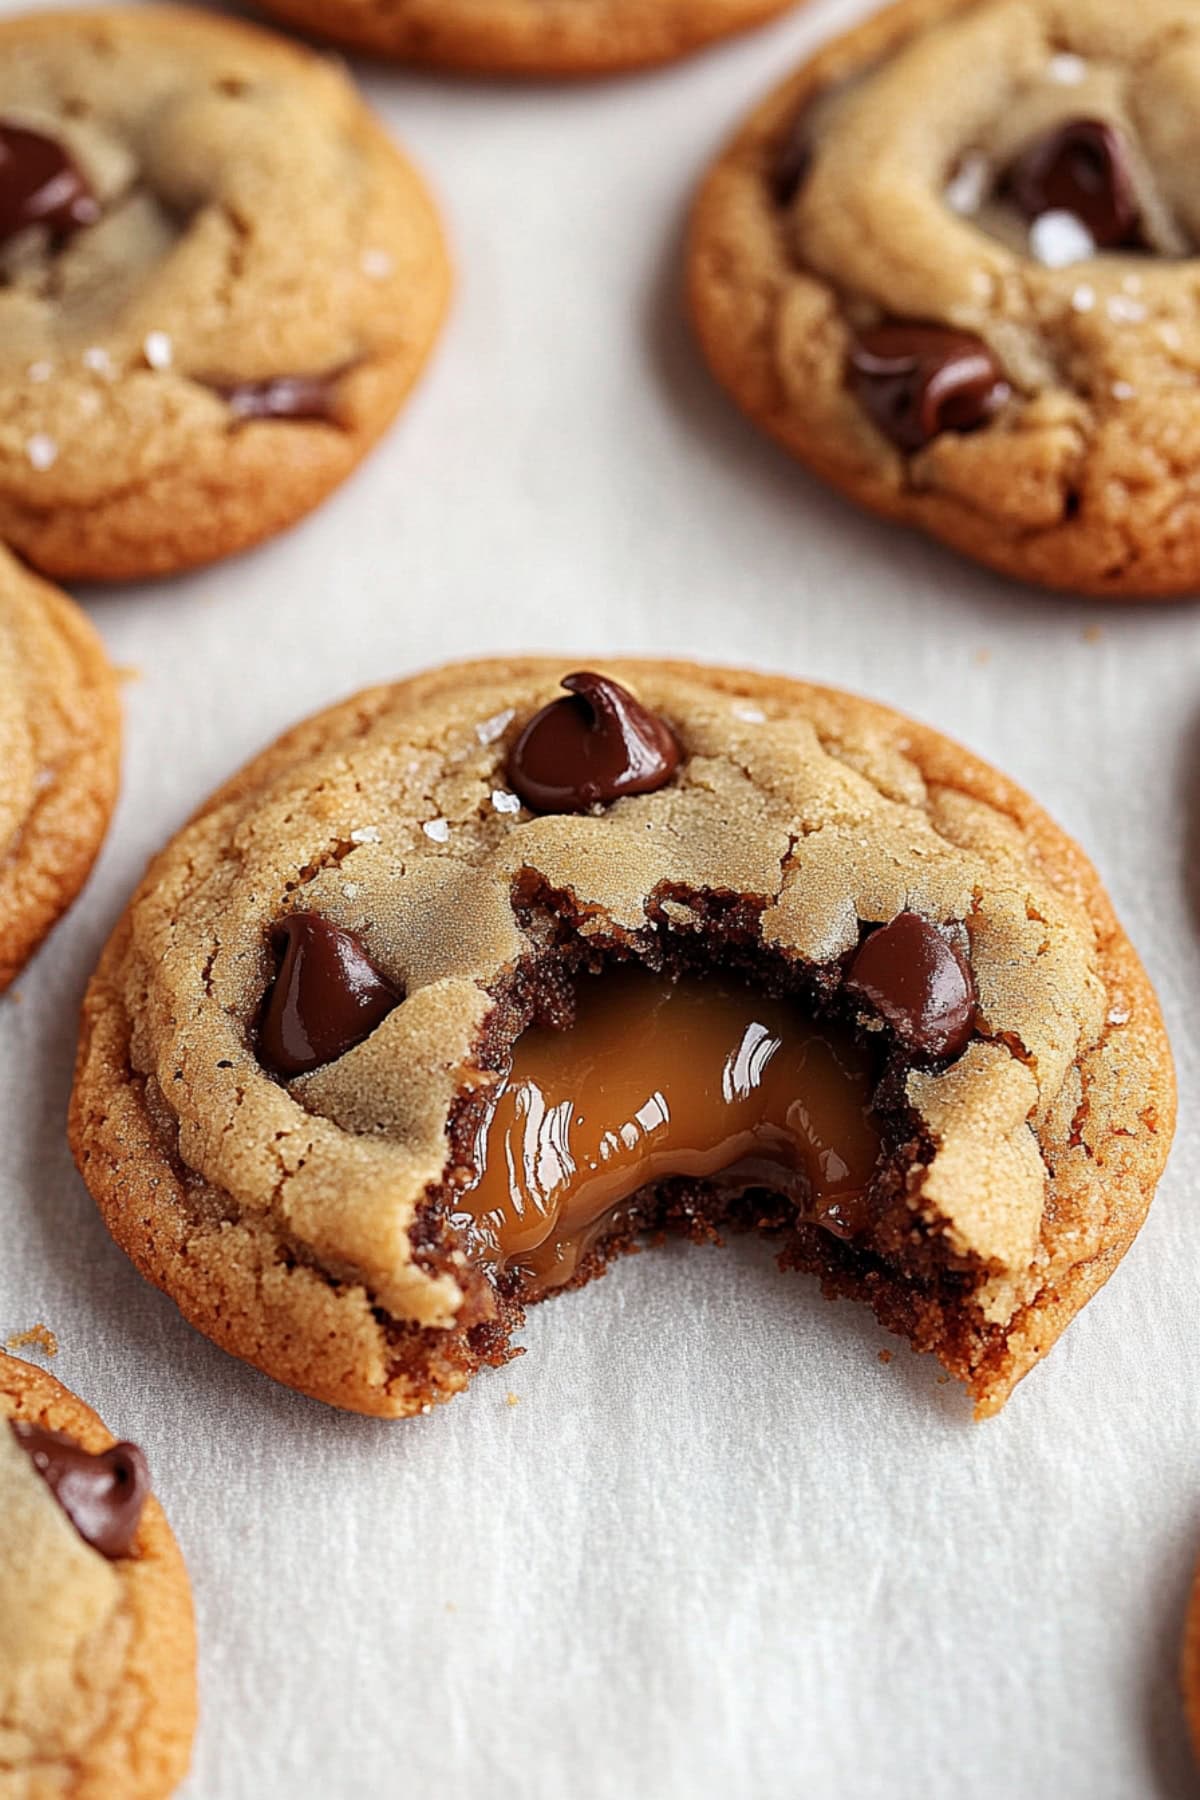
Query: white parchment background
(717, 1549)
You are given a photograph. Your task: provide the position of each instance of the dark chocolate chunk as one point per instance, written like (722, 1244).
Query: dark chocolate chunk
(327, 996)
(591, 748)
(102, 1495)
(916, 381)
(919, 984)
(792, 162)
(284, 397)
(40, 184)
(1081, 168)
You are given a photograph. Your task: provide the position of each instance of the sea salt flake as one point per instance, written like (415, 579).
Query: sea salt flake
(40, 371)
(366, 834)
(1119, 1015)
(1121, 390)
(378, 264)
(437, 829)
(1066, 69)
(1058, 239)
(505, 802)
(99, 361)
(1083, 299)
(1123, 311)
(488, 730)
(967, 188)
(752, 715)
(1170, 336)
(350, 889)
(41, 450)
(158, 350)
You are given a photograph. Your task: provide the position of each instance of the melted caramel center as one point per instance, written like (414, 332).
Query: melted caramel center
(697, 1078)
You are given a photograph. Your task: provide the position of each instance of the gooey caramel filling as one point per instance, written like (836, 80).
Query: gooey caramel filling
(698, 1078)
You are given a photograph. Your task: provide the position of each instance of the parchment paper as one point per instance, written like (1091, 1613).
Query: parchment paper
(717, 1548)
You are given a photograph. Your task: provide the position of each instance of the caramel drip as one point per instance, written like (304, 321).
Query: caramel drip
(655, 1079)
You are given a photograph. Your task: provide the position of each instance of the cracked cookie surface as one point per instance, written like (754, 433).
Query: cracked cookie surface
(60, 739)
(257, 279)
(915, 171)
(528, 37)
(97, 1653)
(307, 1222)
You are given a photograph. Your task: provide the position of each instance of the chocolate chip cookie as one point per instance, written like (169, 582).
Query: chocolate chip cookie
(471, 980)
(948, 265)
(97, 1645)
(218, 280)
(528, 37)
(60, 740)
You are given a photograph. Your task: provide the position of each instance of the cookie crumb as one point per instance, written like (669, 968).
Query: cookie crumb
(437, 829)
(983, 657)
(38, 1335)
(41, 450)
(488, 730)
(127, 673)
(158, 349)
(1092, 634)
(885, 1356)
(511, 1399)
(504, 802)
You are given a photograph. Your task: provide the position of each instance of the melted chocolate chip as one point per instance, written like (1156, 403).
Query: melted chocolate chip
(284, 397)
(40, 184)
(919, 984)
(793, 160)
(916, 381)
(102, 1495)
(591, 748)
(1082, 168)
(327, 997)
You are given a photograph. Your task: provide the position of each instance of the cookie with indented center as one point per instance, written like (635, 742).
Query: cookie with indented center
(219, 279)
(97, 1643)
(468, 982)
(948, 265)
(527, 37)
(60, 740)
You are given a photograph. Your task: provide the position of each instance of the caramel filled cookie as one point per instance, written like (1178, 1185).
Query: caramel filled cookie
(97, 1645)
(950, 266)
(469, 981)
(528, 37)
(60, 741)
(218, 280)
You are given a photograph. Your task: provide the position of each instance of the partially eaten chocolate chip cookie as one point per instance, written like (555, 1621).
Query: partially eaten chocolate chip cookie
(472, 980)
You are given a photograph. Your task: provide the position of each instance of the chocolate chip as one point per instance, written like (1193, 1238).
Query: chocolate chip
(102, 1495)
(40, 184)
(284, 397)
(919, 984)
(591, 748)
(793, 160)
(327, 996)
(1082, 168)
(916, 381)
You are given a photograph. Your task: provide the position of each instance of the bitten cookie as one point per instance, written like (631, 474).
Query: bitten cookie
(528, 37)
(468, 981)
(60, 741)
(97, 1645)
(218, 280)
(949, 265)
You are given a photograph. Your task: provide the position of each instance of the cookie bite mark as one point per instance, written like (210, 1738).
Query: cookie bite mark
(590, 749)
(103, 1494)
(326, 998)
(934, 170)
